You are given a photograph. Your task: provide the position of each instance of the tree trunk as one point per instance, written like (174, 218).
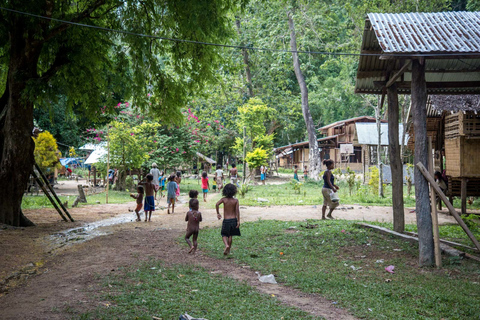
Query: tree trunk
(16, 125)
(422, 200)
(395, 160)
(246, 62)
(314, 155)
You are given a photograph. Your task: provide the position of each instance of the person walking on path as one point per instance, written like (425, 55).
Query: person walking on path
(205, 185)
(178, 180)
(156, 174)
(219, 177)
(231, 216)
(233, 174)
(193, 218)
(171, 193)
(139, 199)
(263, 174)
(329, 187)
(149, 204)
(295, 173)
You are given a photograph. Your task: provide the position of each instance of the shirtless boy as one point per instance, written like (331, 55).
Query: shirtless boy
(231, 216)
(149, 205)
(193, 219)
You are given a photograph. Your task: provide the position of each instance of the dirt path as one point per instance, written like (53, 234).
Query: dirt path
(41, 282)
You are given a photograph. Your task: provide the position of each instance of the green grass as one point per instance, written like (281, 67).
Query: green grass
(154, 289)
(311, 194)
(319, 261)
(451, 232)
(41, 201)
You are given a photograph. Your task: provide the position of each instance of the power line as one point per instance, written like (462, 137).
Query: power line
(453, 55)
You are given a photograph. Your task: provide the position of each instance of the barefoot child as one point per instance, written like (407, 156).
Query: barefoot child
(214, 185)
(193, 194)
(205, 185)
(139, 198)
(171, 193)
(149, 205)
(193, 219)
(305, 173)
(231, 216)
(161, 181)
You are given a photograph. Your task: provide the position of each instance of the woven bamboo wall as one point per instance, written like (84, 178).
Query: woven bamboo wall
(462, 157)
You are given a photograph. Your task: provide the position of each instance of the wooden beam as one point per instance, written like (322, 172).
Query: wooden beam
(433, 199)
(395, 159)
(433, 85)
(463, 195)
(422, 197)
(399, 73)
(381, 73)
(442, 196)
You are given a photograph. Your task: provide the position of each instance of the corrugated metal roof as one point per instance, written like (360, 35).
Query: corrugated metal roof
(367, 133)
(422, 34)
(343, 122)
(427, 32)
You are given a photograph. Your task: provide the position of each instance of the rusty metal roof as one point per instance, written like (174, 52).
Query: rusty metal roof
(449, 41)
(427, 32)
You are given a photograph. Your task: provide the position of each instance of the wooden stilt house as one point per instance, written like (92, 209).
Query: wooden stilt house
(453, 122)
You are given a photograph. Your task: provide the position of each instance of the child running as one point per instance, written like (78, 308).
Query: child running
(205, 185)
(149, 205)
(193, 218)
(231, 216)
(193, 194)
(139, 198)
(161, 181)
(171, 193)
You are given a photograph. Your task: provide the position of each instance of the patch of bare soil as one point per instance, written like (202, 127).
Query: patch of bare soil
(38, 282)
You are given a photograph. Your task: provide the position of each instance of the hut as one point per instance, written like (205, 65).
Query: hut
(418, 54)
(453, 123)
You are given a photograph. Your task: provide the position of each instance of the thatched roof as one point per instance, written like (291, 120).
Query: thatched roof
(440, 103)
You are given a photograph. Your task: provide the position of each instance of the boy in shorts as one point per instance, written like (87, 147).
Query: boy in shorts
(231, 216)
(149, 205)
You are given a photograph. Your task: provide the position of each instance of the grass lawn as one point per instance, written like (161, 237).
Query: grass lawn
(154, 289)
(451, 232)
(344, 264)
(41, 201)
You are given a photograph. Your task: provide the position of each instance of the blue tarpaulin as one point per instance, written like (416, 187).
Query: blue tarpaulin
(71, 161)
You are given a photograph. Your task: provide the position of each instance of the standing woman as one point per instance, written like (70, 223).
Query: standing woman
(328, 188)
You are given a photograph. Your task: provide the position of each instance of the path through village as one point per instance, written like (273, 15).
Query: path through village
(48, 273)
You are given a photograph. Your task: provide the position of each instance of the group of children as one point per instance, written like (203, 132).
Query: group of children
(231, 211)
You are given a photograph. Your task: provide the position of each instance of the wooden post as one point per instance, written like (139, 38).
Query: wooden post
(395, 159)
(463, 195)
(422, 201)
(433, 199)
(81, 194)
(244, 153)
(442, 196)
(48, 186)
(108, 164)
(45, 191)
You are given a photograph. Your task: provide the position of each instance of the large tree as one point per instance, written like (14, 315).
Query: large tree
(45, 53)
